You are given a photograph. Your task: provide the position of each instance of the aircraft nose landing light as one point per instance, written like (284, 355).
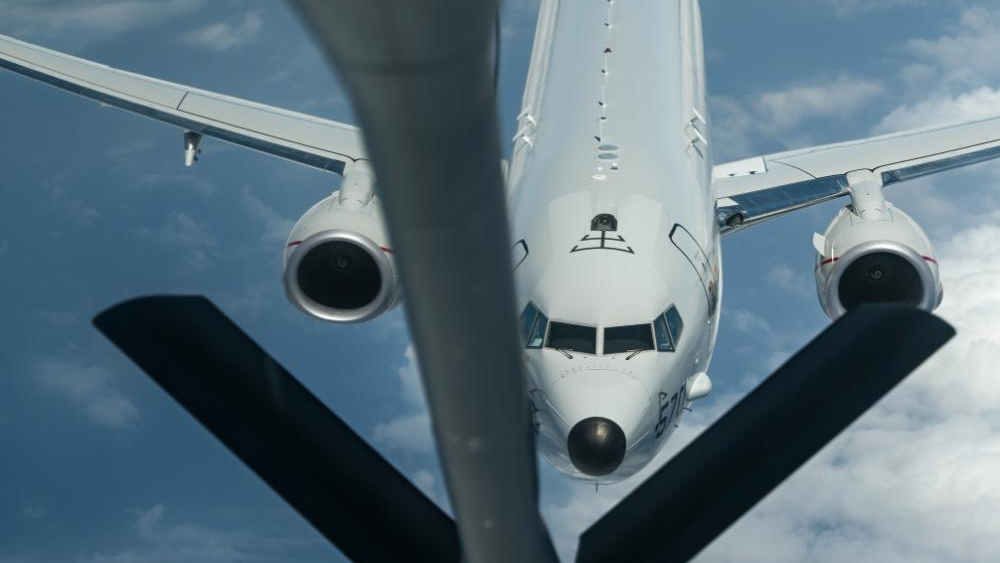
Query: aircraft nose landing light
(596, 446)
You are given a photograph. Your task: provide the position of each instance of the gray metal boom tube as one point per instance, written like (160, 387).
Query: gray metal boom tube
(421, 76)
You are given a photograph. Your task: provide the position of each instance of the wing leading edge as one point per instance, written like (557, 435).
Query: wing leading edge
(313, 141)
(753, 190)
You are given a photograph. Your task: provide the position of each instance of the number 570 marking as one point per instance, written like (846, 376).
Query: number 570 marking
(669, 408)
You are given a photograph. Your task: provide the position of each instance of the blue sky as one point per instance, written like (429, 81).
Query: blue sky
(100, 466)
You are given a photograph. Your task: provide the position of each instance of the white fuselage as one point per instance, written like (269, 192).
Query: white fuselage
(615, 123)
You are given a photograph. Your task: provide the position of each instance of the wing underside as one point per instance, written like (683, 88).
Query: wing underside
(753, 190)
(301, 138)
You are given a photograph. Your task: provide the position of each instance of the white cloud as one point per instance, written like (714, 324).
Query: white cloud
(428, 484)
(60, 318)
(91, 388)
(915, 476)
(767, 346)
(183, 229)
(944, 204)
(85, 215)
(154, 180)
(748, 322)
(191, 236)
(412, 431)
(127, 152)
(840, 97)
(409, 377)
(159, 540)
(276, 227)
(518, 20)
(981, 103)
(913, 480)
(966, 56)
(844, 8)
(424, 480)
(786, 278)
(106, 17)
(228, 35)
(34, 511)
(732, 129)
(59, 188)
(952, 77)
(252, 301)
(779, 114)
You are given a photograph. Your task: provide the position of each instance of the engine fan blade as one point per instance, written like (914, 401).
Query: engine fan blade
(421, 76)
(329, 474)
(766, 436)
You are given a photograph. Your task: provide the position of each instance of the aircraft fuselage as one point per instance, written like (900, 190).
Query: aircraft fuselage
(613, 213)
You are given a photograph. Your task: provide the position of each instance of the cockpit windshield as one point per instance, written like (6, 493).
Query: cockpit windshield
(632, 338)
(662, 334)
(574, 338)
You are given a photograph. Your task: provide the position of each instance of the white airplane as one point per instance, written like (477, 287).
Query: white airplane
(616, 207)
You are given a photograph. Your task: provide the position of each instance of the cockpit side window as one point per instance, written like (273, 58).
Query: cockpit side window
(675, 323)
(533, 325)
(663, 341)
(528, 317)
(668, 328)
(621, 339)
(573, 338)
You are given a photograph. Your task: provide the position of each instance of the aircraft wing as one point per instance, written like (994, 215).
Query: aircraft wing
(298, 137)
(753, 190)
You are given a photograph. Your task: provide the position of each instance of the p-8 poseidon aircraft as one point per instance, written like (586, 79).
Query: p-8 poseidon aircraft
(616, 206)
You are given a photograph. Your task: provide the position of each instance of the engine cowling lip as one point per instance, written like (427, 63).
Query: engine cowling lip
(383, 300)
(930, 297)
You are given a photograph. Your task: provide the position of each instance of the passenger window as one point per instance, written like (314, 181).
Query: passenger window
(675, 323)
(663, 340)
(573, 338)
(628, 339)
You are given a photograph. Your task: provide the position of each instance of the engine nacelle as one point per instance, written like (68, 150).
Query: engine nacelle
(887, 259)
(338, 263)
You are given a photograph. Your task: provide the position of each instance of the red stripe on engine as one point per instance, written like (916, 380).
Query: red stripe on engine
(931, 260)
(388, 250)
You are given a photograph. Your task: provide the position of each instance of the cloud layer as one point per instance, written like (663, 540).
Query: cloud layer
(780, 113)
(89, 388)
(107, 17)
(227, 35)
(409, 431)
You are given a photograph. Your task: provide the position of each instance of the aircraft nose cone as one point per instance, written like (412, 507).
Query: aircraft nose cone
(596, 446)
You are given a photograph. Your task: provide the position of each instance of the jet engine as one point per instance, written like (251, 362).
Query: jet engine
(883, 257)
(338, 262)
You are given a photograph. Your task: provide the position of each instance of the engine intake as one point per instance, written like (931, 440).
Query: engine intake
(889, 260)
(340, 276)
(338, 266)
(884, 272)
